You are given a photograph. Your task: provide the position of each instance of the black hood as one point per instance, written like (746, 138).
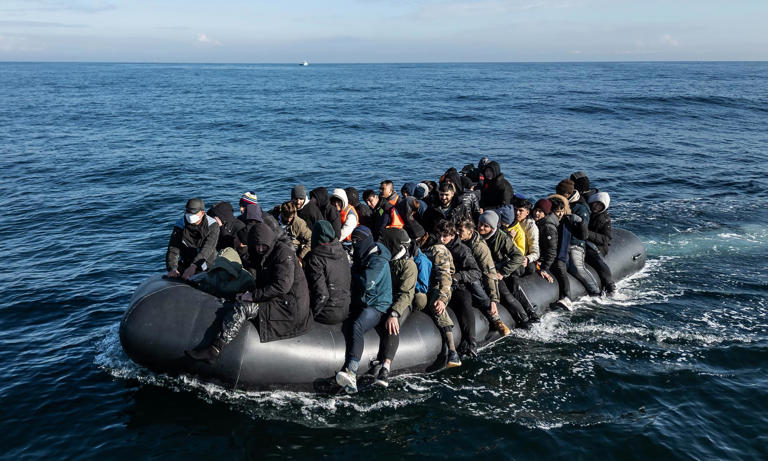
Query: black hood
(253, 212)
(321, 197)
(496, 169)
(455, 179)
(260, 234)
(223, 211)
(394, 239)
(330, 250)
(353, 196)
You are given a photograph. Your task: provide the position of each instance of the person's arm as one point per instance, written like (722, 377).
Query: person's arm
(511, 260)
(173, 252)
(550, 234)
(469, 272)
(603, 236)
(442, 273)
(532, 235)
(403, 293)
(207, 251)
(348, 226)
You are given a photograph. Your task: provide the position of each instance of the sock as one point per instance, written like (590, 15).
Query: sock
(386, 365)
(449, 339)
(353, 365)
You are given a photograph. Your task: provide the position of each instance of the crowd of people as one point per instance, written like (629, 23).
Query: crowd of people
(462, 242)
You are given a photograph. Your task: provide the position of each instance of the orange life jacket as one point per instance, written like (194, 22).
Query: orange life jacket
(344, 213)
(395, 221)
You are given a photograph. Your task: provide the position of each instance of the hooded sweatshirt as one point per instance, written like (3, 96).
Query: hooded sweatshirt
(600, 233)
(229, 224)
(280, 286)
(350, 221)
(328, 275)
(226, 276)
(372, 280)
(496, 191)
(329, 212)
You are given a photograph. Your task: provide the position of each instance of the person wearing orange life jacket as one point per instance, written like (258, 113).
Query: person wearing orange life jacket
(348, 214)
(385, 213)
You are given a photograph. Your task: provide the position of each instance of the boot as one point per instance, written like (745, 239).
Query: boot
(499, 326)
(208, 354)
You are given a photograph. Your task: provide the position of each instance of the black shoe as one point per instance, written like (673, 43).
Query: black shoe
(382, 379)
(471, 349)
(533, 317)
(610, 288)
(463, 348)
(208, 354)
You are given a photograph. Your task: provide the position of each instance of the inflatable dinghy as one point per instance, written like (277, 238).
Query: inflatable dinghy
(168, 316)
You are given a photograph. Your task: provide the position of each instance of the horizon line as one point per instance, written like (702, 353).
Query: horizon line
(298, 62)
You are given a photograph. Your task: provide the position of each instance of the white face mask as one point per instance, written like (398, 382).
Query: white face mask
(192, 218)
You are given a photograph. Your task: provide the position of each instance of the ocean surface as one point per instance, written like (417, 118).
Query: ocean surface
(98, 160)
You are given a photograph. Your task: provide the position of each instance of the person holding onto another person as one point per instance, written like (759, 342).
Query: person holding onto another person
(192, 246)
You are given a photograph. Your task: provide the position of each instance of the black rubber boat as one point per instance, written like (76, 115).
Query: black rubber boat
(165, 317)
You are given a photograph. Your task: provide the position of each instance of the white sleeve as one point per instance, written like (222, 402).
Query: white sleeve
(349, 226)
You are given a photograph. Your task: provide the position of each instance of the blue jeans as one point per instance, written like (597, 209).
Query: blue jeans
(367, 320)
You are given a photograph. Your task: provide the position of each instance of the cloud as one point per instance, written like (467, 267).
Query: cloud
(37, 24)
(666, 38)
(13, 43)
(203, 38)
(79, 6)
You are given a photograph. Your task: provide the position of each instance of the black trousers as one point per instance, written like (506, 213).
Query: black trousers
(596, 260)
(390, 343)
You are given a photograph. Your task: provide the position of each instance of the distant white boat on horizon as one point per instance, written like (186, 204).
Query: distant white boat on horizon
(303, 63)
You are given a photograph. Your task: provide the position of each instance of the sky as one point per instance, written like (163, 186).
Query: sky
(351, 31)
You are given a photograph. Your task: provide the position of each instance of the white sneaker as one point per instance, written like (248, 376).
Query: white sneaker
(566, 303)
(347, 380)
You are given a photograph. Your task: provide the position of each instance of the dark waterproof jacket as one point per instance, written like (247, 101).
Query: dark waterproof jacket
(310, 213)
(497, 191)
(372, 281)
(571, 227)
(600, 231)
(464, 262)
(229, 224)
(329, 278)
(330, 213)
(547, 241)
(192, 244)
(455, 213)
(364, 212)
(280, 287)
(467, 197)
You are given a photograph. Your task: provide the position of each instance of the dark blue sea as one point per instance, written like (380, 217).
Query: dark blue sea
(98, 160)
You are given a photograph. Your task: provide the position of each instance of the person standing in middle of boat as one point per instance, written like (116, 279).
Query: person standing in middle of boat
(372, 292)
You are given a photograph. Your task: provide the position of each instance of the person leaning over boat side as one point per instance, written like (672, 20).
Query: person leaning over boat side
(496, 190)
(404, 273)
(524, 219)
(599, 239)
(507, 260)
(372, 292)
(347, 214)
(295, 227)
(466, 285)
(319, 196)
(224, 215)
(305, 208)
(547, 224)
(490, 282)
(364, 212)
(577, 248)
(192, 246)
(279, 297)
(328, 276)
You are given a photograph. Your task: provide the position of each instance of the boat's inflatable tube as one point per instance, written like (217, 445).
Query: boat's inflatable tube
(166, 317)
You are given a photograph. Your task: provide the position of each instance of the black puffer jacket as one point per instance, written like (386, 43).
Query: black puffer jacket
(547, 241)
(364, 213)
(330, 213)
(497, 191)
(600, 233)
(229, 224)
(467, 270)
(280, 286)
(329, 278)
(456, 213)
(310, 213)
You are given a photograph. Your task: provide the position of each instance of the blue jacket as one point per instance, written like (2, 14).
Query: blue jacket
(373, 280)
(580, 209)
(425, 269)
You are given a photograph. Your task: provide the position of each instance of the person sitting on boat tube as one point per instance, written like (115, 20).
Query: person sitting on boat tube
(372, 293)
(404, 273)
(599, 239)
(278, 299)
(328, 276)
(547, 224)
(192, 246)
(577, 248)
(347, 213)
(305, 208)
(569, 225)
